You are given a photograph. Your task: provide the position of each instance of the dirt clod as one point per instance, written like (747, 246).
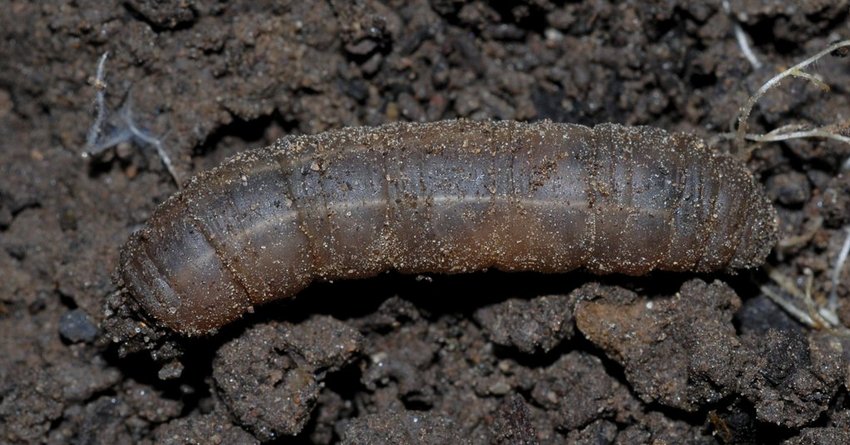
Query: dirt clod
(580, 376)
(539, 324)
(401, 427)
(282, 365)
(214, 428)
(695, 326)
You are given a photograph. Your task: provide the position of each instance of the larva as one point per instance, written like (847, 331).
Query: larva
(443, 197)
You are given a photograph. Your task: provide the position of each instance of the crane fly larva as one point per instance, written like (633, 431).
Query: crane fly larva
(442, 197)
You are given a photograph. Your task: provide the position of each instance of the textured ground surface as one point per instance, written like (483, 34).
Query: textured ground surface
(483, 358)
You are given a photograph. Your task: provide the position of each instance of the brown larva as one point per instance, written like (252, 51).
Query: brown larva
(443, 197)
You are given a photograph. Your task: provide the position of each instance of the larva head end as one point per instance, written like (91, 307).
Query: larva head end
(191, 298)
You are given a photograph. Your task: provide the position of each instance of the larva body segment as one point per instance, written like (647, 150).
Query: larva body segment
(443, 197)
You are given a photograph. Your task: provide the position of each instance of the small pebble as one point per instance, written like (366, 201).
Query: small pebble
(76, 326)
(171, 370)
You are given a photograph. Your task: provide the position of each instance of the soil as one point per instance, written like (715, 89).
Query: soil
(480, 358)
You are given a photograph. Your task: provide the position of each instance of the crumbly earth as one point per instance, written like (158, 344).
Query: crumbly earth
(479, 358)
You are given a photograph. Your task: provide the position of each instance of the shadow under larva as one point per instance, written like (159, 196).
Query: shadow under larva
(443, 197)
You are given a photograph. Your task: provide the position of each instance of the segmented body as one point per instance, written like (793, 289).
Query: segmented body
(444, 197)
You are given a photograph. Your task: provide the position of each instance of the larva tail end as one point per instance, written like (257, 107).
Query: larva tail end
(760, 237)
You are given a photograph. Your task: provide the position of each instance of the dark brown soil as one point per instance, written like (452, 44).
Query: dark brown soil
(481, 358)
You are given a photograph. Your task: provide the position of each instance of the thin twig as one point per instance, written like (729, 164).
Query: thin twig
(789, 132)
(796, 70)
(127, 117)
(99, 104)
(790, 308)
(836, 271)
(811, 314)
(741, 37)
(129, 131)
(825, 132)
